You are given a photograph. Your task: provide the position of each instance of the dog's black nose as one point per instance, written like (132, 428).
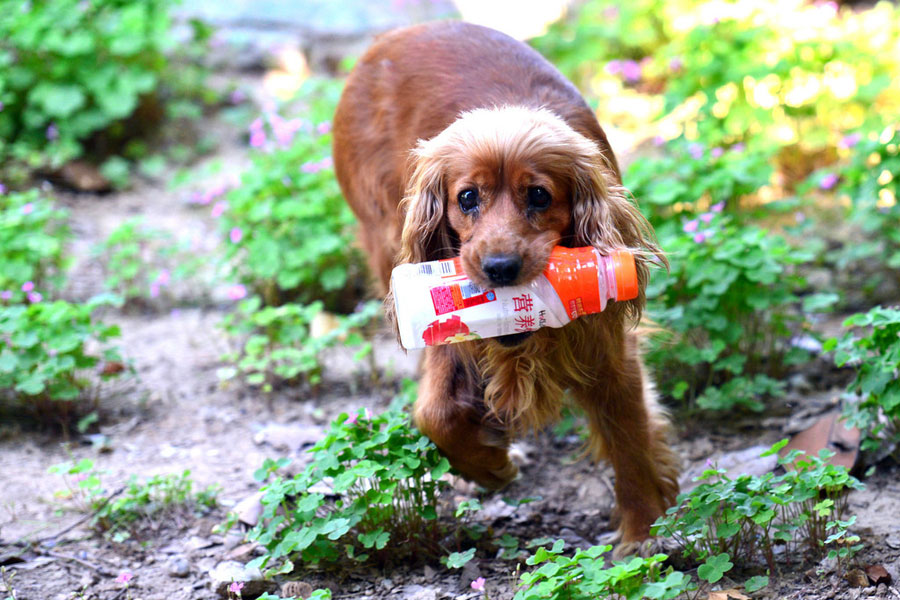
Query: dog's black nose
(502, 269)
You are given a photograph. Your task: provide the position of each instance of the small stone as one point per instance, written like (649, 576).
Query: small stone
(429, 573)
(250, 508)
(296, 589)
(387, 584)
(178, 566)
(470, 572)
(228, 572)
(417, 592)
(857, 578)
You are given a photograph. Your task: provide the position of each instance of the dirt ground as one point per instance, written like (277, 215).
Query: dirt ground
(175, 415)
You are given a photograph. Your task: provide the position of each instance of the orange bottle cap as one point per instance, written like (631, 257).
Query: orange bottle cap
(626, 275)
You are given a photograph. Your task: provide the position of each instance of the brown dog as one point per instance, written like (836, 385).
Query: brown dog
(454, 139)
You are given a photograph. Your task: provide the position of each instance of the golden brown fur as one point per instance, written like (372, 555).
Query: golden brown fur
(435, 115)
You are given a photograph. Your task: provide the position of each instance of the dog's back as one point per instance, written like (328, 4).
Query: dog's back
(413, 83)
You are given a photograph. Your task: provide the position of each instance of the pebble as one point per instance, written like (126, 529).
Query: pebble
(230, 571)
(470, 572)
(178, 567)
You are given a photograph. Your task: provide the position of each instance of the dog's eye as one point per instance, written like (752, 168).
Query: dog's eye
(538, 198)
(468, 201)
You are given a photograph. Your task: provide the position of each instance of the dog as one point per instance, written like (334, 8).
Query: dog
(452, 139)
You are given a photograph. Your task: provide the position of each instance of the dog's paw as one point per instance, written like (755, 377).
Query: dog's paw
(646, 548)
(519, 454)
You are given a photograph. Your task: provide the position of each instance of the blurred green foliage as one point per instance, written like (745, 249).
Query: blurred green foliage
(78, 74)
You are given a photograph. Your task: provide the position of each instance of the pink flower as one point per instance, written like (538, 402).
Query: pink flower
(676, 64)
(1, 106)
(631, 71)
(716, 152)
(34, 297)
(701, 237)
(718, 207)
(52, 132)
(351, 420)
(218, 208)
(323, 127)
(154, 290)
(27, 286)
(691, 226)
(164, 277)
(659, 140)
(238, 96)
(327, 162)
(124, 577)
(6, 295)
(258, 139)
(478, 584)
(696, 151)
(848, 141)
(27, 209)
(706, 217)
(236, 587)
(739, 147)
(236, 235)
(2, 187)
(613, 67)
(828, 181)
(310, 167)
(237, 292)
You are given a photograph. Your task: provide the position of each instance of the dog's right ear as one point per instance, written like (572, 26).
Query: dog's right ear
(425, 233)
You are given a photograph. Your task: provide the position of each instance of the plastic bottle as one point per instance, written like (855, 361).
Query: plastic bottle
(436, 303)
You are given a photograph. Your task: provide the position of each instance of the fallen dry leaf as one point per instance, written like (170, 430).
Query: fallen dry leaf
(878, 574)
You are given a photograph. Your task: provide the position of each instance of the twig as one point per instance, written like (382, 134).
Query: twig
(81, 562)
(73, 525)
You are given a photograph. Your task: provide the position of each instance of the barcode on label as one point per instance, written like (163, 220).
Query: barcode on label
(443, 268)
(470, 289)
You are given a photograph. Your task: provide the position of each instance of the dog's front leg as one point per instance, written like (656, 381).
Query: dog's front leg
(629, 429)
(450, 410)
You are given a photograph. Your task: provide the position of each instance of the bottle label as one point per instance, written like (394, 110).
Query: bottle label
(440, 305)
(447, 298)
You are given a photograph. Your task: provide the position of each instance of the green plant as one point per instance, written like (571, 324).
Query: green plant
(32, 235)
(139, 503)
(584, 575)
(74, 72)
(728, 303)
(384, 479)
(604, 30)
(290, 233)
(277, 344)
(44, 348)
(141, 262)
(689, 178)
(743, 519)
(871, 179)
(875, 355)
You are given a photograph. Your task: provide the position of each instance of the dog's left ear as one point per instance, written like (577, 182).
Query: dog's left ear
(604, 217)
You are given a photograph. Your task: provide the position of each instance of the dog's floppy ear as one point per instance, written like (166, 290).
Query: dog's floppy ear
(606, 218)
(426, 235)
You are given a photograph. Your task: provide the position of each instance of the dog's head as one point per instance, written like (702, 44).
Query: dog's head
(501, 187)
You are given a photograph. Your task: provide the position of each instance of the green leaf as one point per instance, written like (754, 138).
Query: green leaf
(457, 560)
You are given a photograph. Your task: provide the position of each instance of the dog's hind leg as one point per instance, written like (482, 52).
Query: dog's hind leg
(450, 410)
(629, 429)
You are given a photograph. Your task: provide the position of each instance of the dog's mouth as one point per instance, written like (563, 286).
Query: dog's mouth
(513, 339)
